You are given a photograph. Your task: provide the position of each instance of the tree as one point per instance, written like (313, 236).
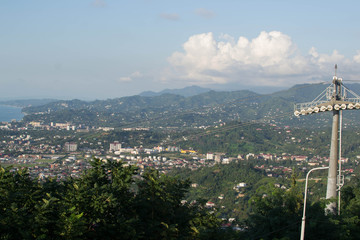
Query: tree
(277, 214)
(104, 197)
(18, 196)
(105, 202)
(162, 214)
(350, 212)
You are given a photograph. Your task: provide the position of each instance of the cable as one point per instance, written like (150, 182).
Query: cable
(351, 80)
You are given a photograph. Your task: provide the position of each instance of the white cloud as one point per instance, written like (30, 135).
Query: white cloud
(272, 59)
(205, 13)
(125, 79)
(170, 16)
(324, 58)
(357, 57)
(130, 78)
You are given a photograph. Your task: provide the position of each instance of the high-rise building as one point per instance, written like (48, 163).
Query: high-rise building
(115, 146)
(70, 147)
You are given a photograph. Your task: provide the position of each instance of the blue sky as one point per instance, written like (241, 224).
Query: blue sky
(99, 49)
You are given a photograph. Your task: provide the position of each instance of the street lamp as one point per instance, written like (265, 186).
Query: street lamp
(306, 184)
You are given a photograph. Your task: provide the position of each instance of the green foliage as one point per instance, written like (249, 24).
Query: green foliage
(276, 213)
(18, 196)
(161, 212)
(110, 201)
(221, 180)
(350, 212)
(106, 202)
(103, 195)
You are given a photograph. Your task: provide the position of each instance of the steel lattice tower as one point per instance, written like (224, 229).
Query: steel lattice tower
(334, 98)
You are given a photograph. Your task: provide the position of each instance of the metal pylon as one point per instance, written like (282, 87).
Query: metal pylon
(334, 98)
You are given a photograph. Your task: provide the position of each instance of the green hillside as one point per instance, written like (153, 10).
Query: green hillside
(205, 109)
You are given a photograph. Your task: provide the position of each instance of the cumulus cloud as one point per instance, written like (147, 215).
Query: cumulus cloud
(205, 13)
(271, 59)
(130, 78)
(170, 16)
(357, 57)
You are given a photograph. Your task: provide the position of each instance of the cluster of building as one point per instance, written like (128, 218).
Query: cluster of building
(45, 166)
(71, 127)
(156, 157)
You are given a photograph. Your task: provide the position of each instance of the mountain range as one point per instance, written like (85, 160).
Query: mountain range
(186, 92)
(188, 108)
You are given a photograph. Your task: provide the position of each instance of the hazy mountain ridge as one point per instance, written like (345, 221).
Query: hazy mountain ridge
(172, 110)
(185, 92)
(27, 102)
(134, 103)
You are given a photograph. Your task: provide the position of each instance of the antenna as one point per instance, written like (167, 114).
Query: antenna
(335, 69)
(334, 98)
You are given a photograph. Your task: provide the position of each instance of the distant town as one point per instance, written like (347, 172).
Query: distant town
(62, 158)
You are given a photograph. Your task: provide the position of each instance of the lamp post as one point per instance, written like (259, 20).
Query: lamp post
(306, 184)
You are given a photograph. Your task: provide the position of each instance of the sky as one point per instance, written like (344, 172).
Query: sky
(101, 49)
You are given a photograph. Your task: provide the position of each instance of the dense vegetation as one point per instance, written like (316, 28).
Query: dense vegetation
(267, 211)
(110, 201)
(241, 138)
(220, 185)
(217, 184)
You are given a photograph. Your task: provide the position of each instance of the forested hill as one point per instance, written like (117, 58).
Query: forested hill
(173, 110)
(218, 184)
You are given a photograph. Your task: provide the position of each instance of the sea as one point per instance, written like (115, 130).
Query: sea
(9, 113)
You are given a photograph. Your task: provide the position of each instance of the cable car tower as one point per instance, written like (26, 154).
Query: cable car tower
(334, 98)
